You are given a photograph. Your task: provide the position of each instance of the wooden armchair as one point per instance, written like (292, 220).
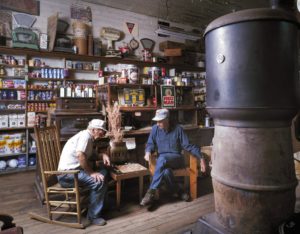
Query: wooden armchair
(190, 170)
(59, 201)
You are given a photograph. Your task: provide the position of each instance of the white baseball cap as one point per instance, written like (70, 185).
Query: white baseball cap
(161, 114)
(97, 123)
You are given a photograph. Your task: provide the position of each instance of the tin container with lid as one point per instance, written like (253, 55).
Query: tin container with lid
(132, 72)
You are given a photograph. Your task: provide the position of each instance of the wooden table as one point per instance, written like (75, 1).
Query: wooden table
(128, 171)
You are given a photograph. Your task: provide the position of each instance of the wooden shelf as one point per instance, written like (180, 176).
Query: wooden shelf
(127, 85)
(12, 77)
(37, 111)
(12, 88)
(182, 108)
(13, 129)
(147, 130)
(30, 89)
(83, 71)
(12, 66)
(137, 108)
(9, 155)
(40, 100)
(82, 81)
(45, 79)
(87, 58)
(190, 127)
(5, 111)
(8, 101)
(137, 132)
(38, 68)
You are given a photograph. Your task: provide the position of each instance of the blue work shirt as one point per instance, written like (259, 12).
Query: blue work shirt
(170, 142)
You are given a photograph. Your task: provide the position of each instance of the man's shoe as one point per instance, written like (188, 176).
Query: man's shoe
(98, 221)
(184, 196)
(148, 198)
(290, 226)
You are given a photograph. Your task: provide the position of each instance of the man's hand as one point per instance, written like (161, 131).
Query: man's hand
(98, 177)
(202, 165)
(106, 159)
(147, 156)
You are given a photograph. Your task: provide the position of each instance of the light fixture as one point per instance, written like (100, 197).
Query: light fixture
(168, 31)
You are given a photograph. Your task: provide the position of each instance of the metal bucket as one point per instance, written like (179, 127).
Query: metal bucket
(252, 69)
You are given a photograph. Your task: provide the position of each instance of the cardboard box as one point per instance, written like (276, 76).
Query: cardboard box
(173, 52)
(170, 45)
(21, 120)
(13, 121)
(176, 60)
(3, 121)
(30, 119)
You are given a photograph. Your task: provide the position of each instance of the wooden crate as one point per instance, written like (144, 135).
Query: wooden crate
(173, 52)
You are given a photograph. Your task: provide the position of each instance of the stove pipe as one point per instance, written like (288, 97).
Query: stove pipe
(252, 81)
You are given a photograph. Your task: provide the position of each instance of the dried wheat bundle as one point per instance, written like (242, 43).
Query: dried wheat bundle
(114, 119)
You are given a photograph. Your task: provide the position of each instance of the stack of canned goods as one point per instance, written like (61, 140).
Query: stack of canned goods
(54, 73)
(40, 95)
(38, 106)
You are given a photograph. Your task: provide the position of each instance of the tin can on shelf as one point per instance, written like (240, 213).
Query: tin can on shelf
(132, 72)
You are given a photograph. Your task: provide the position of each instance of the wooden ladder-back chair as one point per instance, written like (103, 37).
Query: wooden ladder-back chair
(59, 201)
(189, 171)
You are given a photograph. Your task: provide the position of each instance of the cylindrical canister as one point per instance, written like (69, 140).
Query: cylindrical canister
(80, 30)
(81, 45)
(90, 45)
(133, 74)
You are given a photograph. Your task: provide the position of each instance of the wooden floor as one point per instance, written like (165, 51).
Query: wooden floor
(17, 198)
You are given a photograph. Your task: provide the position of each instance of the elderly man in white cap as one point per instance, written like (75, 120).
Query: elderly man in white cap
(168, 141)
(76, 155)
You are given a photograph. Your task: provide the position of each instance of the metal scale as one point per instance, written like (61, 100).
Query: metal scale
(23, 36)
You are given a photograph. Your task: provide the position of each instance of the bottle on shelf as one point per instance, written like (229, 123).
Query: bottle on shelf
(90, 92)
(77, 91)
(73, 91)
(69, 90)
(62, 91)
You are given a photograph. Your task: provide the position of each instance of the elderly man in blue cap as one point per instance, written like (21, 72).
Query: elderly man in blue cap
(77, 154)
(168, 141)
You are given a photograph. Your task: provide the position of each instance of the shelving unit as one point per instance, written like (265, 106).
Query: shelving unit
(13, 131)
(138, 116)
(41, 91)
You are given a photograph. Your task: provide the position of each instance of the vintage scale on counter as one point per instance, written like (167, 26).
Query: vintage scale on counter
(23, 36)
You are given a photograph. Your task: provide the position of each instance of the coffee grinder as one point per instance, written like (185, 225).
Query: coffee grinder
(62, 41)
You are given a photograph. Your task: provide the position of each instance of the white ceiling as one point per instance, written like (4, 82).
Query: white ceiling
(196, 13)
